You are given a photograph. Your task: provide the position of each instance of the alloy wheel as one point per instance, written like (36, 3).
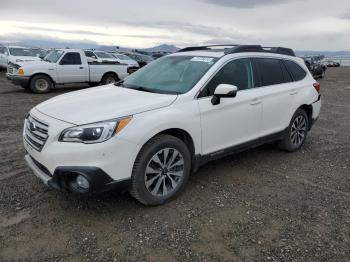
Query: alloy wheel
(164, 172)
(298, 130)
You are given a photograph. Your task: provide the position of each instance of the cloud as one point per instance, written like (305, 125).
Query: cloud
(243, 3)
(79, 32)
(345, 15)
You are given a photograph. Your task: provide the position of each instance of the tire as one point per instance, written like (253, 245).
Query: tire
(40, 84)
(109, 79)
(297, 132)
(152, 182)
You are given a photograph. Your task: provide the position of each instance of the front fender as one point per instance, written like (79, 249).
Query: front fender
(146, 125)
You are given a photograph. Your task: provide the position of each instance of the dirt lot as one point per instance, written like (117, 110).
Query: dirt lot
(261, 205)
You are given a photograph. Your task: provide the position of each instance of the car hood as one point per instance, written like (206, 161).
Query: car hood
(34, 63)
(14, 59)
(102, 103)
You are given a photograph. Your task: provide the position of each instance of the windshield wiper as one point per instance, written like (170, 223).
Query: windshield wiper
(142, 88)
(120, 83)
(139, 88)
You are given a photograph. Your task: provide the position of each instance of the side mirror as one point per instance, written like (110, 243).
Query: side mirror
(6, 53)
(223, 90)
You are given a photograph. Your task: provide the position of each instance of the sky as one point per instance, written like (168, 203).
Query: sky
(299, 24)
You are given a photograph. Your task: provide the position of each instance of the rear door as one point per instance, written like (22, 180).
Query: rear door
(71, 70)
(277, 91)
(235, 120)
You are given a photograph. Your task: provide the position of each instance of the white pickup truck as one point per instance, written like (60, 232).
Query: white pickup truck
(63, 66)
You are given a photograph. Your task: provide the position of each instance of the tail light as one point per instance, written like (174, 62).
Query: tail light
(317, 86)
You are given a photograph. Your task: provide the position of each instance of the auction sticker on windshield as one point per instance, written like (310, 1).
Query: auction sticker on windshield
(202, 59)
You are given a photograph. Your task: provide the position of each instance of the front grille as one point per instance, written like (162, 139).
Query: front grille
(36, 132)
(10, 70)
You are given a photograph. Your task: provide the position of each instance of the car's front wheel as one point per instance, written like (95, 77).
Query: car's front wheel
(296, 133)
(40, 84)
(161, 170)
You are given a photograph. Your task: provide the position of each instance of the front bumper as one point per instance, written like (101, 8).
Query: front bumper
(58, 162)
(18, 80)
(64, 178)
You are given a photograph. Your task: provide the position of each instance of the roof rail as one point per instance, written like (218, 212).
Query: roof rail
(206, 47)
(232, 49)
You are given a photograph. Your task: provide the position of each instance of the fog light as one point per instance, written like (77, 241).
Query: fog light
(82, 182)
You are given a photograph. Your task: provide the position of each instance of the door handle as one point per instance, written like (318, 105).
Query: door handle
(81, 67)
(293, 92)
(255, 101)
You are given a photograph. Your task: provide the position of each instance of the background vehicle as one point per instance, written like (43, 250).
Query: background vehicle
(133, 66)
(315, 66)
(99, 56)
(14, 54)
(141, 59)
(150, 131)
(331, 63)
(63, 66)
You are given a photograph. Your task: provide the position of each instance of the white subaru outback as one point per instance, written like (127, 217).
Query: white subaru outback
(147, 133)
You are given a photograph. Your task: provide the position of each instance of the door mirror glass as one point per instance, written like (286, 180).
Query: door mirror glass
(223, 90)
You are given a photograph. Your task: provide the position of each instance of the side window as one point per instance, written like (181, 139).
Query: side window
(296, 71)
(2, 50)
(270, 71)
(287, 76)
(71, 59)
(238, 72)
(90, 54)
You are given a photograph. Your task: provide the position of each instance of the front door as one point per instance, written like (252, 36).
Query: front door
(235, 120)
(71, 70)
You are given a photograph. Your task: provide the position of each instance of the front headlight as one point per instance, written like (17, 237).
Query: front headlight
(94, 133)
(19, 60)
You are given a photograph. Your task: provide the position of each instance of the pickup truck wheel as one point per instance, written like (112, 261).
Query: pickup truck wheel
(161, 170)
(40, 84)
(109, 79)
(296, 133)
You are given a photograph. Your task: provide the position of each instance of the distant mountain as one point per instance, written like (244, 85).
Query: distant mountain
(162, 48)
(325, 53)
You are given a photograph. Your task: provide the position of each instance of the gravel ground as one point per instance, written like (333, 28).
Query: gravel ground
(260, 205)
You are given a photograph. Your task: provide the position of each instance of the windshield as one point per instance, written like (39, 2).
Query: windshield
(18, 51)
(170, 75)
(53, 56)
(103, 55)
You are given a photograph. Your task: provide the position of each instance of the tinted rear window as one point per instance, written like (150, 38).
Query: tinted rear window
(295, 70)
(270, 71)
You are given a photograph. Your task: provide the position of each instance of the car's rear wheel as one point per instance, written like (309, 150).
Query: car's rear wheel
(161, 170)
(40, 84)
(297, 132)
(109, 79)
